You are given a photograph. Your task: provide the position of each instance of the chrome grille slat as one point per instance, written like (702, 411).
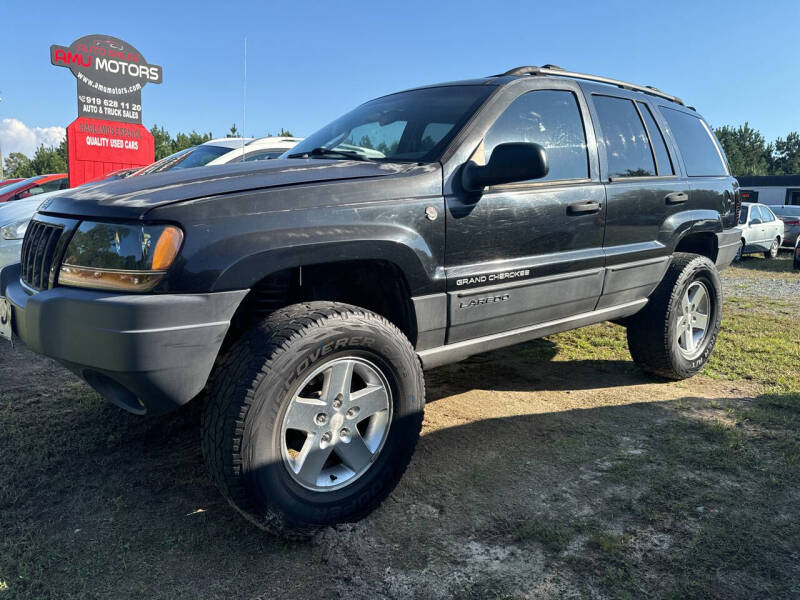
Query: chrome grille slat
(38, 253)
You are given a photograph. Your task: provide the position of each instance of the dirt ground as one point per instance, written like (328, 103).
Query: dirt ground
(555, 469)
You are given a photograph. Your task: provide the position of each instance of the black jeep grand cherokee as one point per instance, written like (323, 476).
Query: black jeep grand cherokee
(302, 297)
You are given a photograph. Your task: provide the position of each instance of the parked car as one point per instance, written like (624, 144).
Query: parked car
(14, 218)
(10, 181)
(303, 296)
(790, 215)
(266, 148)
(196, 156)
(796, 262)
(762, 231)
(39, 184)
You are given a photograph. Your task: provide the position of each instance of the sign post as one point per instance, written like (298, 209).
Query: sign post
(108, 134)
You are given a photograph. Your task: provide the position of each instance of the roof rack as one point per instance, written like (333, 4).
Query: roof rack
(549, 69)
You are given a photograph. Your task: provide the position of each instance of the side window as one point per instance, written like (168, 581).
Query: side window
(767, 214)
(552, 119)
(52, 186)
(743, 215)
(700, 153)
(627, 148)
(755, 213)
(664, 164)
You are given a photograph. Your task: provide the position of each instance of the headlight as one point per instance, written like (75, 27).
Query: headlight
(109, 256)
(15, 230)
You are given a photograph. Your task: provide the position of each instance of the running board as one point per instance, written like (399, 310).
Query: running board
(436, 357)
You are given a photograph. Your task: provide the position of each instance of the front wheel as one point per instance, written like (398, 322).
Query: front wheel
(773, 249)
(312, 417)
(673, 336)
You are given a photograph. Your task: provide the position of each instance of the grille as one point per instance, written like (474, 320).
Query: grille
(38, 253)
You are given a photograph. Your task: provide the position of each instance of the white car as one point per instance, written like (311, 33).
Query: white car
(14, 218)
(762, 231)
(259, 149)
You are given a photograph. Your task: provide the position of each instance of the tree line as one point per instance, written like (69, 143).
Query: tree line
(54, 159)
(747, 151)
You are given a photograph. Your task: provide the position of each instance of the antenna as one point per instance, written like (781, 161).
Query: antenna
(244, 98)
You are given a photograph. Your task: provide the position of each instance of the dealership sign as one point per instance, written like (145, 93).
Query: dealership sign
(108, 134)
(110, 73)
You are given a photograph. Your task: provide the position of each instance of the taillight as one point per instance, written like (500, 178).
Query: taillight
(797, 222)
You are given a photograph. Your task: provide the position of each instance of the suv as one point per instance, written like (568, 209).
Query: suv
(301, 298)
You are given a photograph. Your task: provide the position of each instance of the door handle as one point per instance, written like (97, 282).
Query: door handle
(677, 198)
(583, 208)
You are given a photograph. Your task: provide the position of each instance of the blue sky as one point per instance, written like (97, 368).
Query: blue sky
(310, 61)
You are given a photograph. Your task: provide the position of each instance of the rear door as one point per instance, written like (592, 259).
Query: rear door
(528, 252)
(643, 190)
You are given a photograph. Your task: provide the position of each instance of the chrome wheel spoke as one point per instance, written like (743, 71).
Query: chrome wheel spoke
(338, 380)
(372, 399)
(354, 454)
(311, 460)
(303, 412)
(700, 321)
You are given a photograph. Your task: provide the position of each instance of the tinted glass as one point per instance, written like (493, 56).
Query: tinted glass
(55, 184)
(413, 126)
(698, 149)
(766, 214)
(263, 155)
(552, 119)
(743, 215)
(627, 147)
(199, 156)
(663, 161)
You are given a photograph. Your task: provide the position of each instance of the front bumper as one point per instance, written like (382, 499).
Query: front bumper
(145, 353)
(728, 242)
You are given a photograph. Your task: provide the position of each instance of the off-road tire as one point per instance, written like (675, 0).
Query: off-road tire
(652, 339)
(251, 387)
(772, 253)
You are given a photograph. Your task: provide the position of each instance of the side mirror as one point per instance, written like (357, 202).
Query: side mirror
(510, 163)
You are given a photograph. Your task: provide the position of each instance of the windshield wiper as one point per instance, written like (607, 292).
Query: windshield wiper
(321, 151)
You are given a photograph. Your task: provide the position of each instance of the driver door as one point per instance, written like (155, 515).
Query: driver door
(528, 252)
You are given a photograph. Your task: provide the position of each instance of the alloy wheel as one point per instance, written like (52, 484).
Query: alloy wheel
(693, 320)
(336, 424)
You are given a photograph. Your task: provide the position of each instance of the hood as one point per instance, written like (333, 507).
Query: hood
(134, 196)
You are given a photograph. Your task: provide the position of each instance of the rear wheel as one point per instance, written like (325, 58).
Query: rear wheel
(773, 249)
(673, 336)
(312, 417)
(739, 252)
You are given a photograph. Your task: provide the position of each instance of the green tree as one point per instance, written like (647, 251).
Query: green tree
(747, 151)
(233, 133)
(163, 142)
(786, 159)
(18, 165)
(283, 133)
(49, 160)
(183, 140)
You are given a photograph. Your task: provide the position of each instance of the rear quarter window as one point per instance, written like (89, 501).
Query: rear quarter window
(699, 151)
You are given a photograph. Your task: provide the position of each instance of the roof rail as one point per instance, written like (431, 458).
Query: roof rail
(555, 70)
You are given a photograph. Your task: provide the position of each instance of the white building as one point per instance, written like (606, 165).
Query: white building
(771, 189)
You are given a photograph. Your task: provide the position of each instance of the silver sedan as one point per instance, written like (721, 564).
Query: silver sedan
(762, 231)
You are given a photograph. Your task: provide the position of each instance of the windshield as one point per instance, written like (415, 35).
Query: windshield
(413, 126)
(20, 184)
